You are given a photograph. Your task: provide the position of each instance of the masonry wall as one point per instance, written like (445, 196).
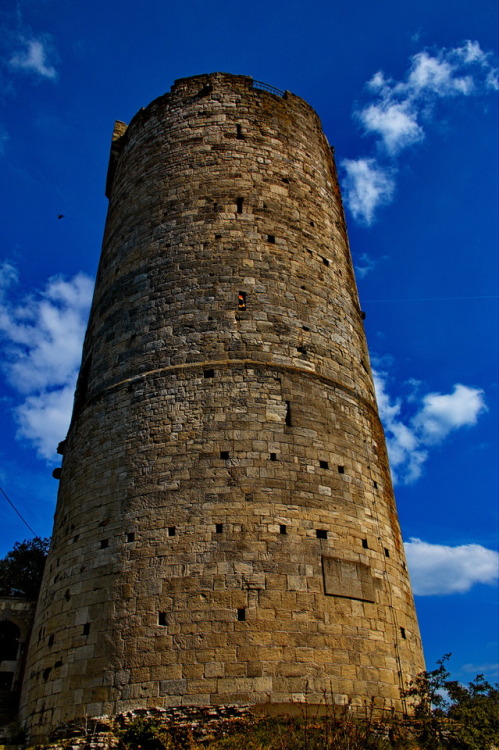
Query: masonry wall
(226, 530)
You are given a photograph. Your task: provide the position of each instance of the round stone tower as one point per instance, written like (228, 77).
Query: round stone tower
(226, 530)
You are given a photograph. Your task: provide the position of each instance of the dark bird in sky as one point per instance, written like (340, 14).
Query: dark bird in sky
(60, 216)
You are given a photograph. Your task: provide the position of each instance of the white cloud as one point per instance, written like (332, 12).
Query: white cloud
(43, 419)
(45, 334)
(406, 454)
(366, 187)
(400, 112)
(439, 569)
(435, 76)
(395, 122)
(400, 105)
(33, 59)
(434, 416)
(41, 341)
(443, 413)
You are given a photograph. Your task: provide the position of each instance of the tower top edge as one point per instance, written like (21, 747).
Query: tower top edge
(185, 92)
(214, 75)
(203, 84)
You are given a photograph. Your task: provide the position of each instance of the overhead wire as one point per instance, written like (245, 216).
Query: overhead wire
(18, 513)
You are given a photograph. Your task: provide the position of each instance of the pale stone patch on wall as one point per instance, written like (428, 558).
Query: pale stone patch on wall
(345, 578)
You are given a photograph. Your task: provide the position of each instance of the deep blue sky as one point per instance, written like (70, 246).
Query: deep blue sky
(417, 154)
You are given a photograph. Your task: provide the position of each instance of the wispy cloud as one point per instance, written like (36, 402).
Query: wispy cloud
(400, 112)
(395, 123)
(32, 58)
(8, 276)
(366, 187)
(475, 669)
(4, 137)
(365, 264)
(41, 341)
(431, 419)
(439, 569)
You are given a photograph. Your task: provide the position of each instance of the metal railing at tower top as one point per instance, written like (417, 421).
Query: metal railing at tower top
(266, 87)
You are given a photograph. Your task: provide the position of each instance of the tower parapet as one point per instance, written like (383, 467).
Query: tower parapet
(226, 530)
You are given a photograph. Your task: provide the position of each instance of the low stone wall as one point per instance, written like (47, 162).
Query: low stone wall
(102, 733)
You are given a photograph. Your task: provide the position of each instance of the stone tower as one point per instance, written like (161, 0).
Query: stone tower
(225, 530)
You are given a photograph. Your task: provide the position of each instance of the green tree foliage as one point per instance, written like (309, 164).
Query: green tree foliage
(475, 710)
(21, 569)
(451, 715)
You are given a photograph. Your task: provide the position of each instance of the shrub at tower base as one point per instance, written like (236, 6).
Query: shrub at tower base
(225, 531)
(447, 715)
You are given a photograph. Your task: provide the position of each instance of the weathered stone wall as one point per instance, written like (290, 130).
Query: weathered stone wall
(226, 530)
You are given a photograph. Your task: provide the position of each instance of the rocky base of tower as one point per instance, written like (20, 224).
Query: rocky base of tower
(182, 722)
(204, 726)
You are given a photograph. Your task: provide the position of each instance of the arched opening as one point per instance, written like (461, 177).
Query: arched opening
(9, 646)
(9, 640)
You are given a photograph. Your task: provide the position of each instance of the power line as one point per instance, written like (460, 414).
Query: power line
(20, 516)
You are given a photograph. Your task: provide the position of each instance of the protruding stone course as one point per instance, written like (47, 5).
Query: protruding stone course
(225, 395)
